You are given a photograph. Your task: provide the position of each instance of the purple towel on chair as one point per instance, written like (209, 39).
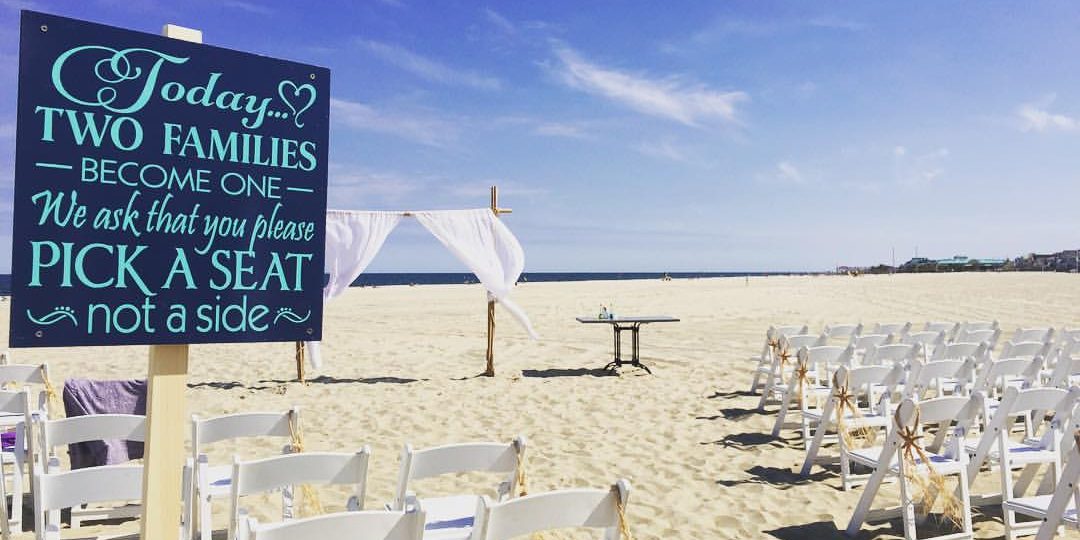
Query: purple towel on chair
(85, 397)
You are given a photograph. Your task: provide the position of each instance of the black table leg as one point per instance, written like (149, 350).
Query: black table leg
(617, 361)
(636, 350)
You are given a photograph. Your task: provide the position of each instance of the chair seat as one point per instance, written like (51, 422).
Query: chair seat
(866, 420)
(449, 518)
(870, 457)
(1023, 453)
(1036, 507)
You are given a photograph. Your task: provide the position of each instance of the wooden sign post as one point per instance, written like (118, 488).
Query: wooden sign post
(166, 409)
(490, 371)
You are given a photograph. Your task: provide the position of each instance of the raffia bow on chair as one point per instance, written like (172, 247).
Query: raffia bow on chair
(53, 404)
(519, 472)
(933, 484)
(845, 401)
(310, 505)
(624, 525)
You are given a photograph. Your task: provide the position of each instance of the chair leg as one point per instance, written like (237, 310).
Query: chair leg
(965, 498)
(206, 527)
(781, 414)
(757, 376)
(907, 510)
(5, 523)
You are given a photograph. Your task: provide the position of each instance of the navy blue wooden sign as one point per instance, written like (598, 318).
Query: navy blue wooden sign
(165, 191)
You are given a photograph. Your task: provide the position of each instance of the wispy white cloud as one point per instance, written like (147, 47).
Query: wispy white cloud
(919, 169)
(561, 129)
(429, 69)
(430, 131)
(670, 98)
(836, 23)
(249, 7)
(499, 22)
(351, 185)
(664, 149)
(787, 172)
(479, 190)
(1035, 116)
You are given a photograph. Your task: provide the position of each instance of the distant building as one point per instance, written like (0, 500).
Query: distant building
(957, 263)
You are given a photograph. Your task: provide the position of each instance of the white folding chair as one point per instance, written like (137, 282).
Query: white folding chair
(950, 328)
(972, 326)
(843, 408)
(73, 489)
(997, 375)
(286, 472)
(94, 427)
(1029, 452)
(578, 508)
(1060, 507)
(930, 340)
(16, 457)
(990, 336)
(843, 331)
(960, 351)
(453, 516)
(902, 456)
(896, 329)
(32, 377)
(810, 382)
(1033, 334)
(772, 341)
(361, 525)
(939, 376)
(1065, 373)
(1025, 349)
(212, 481)
(783, 364)
(863, 342)
(896, 353)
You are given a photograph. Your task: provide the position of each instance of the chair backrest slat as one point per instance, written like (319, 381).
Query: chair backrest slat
(90, 485)
(365, 525)
(323, 468)
(591, 508)
(94, 427)
(242, 425)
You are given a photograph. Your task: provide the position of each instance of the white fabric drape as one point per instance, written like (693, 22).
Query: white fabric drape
(487, 247)
(352, 240)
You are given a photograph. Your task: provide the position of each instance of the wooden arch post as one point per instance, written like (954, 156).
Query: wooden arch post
(490, 371)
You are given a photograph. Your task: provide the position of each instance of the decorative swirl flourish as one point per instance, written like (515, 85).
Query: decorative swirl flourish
(54, 316)
(289, 315)
(116, 67)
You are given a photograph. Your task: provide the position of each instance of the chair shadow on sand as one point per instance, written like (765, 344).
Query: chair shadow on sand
(745, 441)
(730, 413)
(731, 395)
(778, 477)
(267, 384)
(568, 372)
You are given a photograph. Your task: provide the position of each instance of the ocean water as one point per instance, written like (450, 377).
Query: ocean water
(376, 279)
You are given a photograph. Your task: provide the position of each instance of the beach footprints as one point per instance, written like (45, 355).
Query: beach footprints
(298, 98)
(289, 315)
(59, 313)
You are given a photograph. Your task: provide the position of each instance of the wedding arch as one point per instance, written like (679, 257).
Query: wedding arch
(481, 241)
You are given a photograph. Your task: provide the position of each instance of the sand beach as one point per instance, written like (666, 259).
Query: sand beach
(400, 366)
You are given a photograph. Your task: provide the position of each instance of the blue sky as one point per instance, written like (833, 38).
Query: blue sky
(671, 136)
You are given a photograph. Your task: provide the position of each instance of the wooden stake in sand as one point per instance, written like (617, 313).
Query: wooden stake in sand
(166, 405)
(490, 371)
